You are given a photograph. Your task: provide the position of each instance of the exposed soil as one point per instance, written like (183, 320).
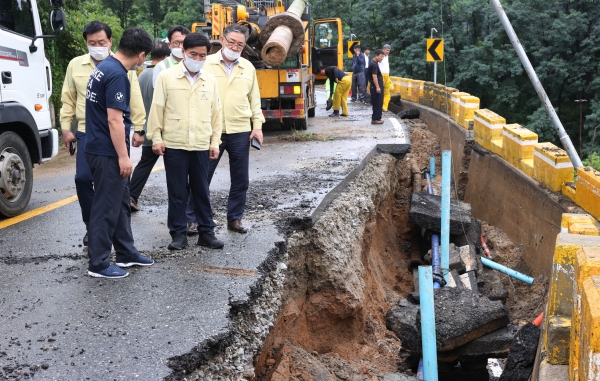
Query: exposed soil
(351, 267)
(525, 302)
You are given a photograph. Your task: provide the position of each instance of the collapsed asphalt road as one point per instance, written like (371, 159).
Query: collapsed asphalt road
(56, 323)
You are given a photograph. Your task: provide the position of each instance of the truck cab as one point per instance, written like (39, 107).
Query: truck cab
(26, 133)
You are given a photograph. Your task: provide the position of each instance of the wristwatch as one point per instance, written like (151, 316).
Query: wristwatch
(140, 132)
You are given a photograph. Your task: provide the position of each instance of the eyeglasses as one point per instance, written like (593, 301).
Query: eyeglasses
(240, 45)
(176, 44)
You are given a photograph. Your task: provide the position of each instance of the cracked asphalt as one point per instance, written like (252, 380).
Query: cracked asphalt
(57, 323)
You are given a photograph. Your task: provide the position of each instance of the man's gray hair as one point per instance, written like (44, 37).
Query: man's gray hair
(237, 28)
(387, 46)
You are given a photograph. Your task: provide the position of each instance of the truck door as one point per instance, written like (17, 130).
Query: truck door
(23, 74)
(327, 45)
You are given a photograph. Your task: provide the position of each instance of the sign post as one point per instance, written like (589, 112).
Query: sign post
(435, 52)
(351, 45)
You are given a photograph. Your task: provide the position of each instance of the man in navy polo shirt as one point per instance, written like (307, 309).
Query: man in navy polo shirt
(107, 153)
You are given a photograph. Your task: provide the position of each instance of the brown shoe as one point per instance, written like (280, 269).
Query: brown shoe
(192, 228)
(236, 226)
(377, 122)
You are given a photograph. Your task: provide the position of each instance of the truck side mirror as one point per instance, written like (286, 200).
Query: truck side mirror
(58, 20)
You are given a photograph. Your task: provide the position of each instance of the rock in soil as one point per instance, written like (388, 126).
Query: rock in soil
(412, 113)
(522, 354)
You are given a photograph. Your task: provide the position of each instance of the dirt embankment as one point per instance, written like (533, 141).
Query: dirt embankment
(351, 267)
(344, 275)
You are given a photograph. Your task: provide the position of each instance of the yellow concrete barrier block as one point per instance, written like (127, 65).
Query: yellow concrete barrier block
(527, 166)
(588, 190)
(396, 85)
(467, 106)
(568, 189)
(552, 166)
(446, 100)
(438, 95)
(589, 360)
(428, 94)
(455, 104)
(559, 330)
(407, 89)
(562, 278)
(417, 90)
(487, 126)
(570, 220)
(587, 264)
(517, 145)
(497, 146)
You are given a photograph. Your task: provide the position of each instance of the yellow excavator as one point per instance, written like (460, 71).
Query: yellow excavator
(283, 49)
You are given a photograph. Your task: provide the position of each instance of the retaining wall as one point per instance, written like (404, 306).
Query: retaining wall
(517, 184)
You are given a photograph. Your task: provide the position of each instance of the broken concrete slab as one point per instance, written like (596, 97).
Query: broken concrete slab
(461, 316)
(425, 211)
(522, 354)
(559, 339)
(468, 280)
(411, 113)
(402, 320)
(454, 258)
(493, 345)
(471, 238)
(491, 286)
(468, 257)
(454, 279)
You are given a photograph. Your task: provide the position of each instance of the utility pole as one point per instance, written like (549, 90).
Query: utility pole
(562, 134)
(435, 63)
(581, 102)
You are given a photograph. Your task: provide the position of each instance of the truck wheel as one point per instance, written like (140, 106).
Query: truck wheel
(311, 112)
(16, 175)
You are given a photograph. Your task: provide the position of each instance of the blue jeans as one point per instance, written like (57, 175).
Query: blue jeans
(238, 149)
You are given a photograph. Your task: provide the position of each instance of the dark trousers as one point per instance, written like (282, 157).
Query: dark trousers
(359, 89)
(181, 165)
(238, 149)
(142, 171)
(110, 218)
(377, 102)
(83, 180)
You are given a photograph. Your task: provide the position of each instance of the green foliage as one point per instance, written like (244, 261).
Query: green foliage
(593, 161)
(559, 36)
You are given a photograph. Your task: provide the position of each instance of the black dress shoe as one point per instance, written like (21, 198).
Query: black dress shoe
(236, 226)
(179, 242)
(209, 240)
(85, 239)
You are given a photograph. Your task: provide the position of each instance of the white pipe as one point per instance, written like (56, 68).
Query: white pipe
(562, 134)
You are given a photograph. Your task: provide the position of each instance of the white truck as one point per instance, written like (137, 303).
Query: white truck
(26, 133)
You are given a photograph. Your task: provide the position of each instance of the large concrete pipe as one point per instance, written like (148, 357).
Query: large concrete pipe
(283, 34)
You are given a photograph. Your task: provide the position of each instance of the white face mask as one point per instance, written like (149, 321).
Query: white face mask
(99, 53)
(230, 54)
(137, 66)
(192, 65)
(177, 52)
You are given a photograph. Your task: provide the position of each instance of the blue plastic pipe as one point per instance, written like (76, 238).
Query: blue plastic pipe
(420, 375)
(505, 270)
(432, 167)
(429, 187)
(436, 258)
(446, 174)
(430, 371)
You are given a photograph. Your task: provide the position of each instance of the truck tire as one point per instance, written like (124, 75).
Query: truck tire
(16, 175)
(311, 112)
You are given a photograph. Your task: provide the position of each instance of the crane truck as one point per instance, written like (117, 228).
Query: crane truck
(284, 50)
(26, 133)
